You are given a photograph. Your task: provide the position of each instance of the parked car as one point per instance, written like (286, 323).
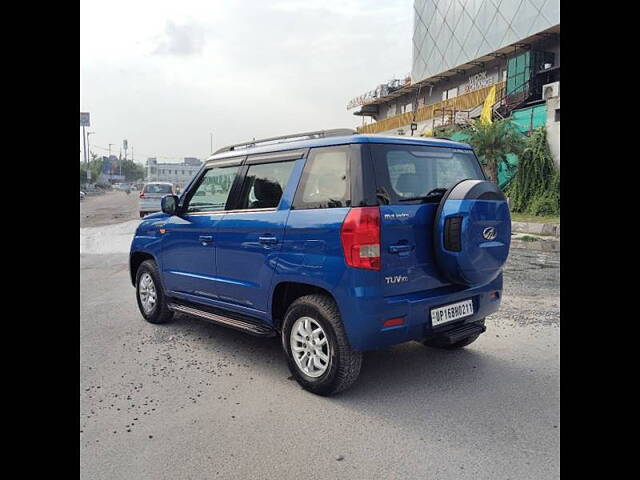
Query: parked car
(338, 243)
(151, 194)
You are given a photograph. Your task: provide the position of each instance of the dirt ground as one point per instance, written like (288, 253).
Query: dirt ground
(109, 208)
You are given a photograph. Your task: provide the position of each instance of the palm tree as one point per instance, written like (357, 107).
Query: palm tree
(492, 142)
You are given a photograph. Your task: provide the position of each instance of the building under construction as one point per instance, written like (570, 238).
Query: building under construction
(461, 50)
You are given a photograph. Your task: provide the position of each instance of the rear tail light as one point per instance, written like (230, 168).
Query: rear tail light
(360, 237)
(141, 194)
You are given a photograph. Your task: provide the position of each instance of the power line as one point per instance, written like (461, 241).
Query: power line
(173, 157)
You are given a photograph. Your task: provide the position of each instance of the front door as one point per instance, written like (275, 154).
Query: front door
(188, 244)
(250, 236)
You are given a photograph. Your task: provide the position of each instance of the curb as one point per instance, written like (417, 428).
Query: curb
(552, 229)
(541, 245)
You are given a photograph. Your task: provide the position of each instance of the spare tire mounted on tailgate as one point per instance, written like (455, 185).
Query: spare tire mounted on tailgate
(472, 232)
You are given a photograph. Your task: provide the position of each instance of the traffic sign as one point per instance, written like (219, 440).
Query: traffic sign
(84, 119)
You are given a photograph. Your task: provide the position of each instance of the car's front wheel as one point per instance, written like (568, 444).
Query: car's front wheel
(152, 301)
(318, 352)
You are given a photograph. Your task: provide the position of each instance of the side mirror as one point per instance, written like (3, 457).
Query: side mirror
(169, 204)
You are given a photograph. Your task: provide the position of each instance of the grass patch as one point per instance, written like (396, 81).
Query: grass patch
(523, 217)
(529, 238)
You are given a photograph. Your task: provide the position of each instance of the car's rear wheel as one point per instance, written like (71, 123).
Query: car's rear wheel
(152, 301)
(318, 352)
(142, 214)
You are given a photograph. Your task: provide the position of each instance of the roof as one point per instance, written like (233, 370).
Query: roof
(342, 140)
(473, 66)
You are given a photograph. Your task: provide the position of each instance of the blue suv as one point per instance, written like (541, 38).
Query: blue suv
(337, 242)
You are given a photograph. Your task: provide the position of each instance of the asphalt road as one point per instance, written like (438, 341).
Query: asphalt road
(191, 400)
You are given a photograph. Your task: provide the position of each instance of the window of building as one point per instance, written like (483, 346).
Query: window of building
(557, 115)
(451, 93)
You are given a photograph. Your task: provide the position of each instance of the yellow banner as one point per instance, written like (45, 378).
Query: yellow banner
(485, 116)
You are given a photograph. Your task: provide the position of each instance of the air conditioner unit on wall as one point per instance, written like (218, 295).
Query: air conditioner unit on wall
(551, 90)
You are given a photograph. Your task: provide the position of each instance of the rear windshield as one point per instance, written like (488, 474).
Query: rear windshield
(157, 188)
(407, 171)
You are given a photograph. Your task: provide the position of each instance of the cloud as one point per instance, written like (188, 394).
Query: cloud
(181, 40)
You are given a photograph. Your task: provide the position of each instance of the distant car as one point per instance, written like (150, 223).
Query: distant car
(82, 195)
(151, 195)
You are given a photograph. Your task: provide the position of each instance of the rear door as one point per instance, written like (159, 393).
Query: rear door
(404, 173)
(250, 236)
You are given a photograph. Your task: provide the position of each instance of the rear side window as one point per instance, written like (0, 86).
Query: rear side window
(325, 180)
(263, 185)
(407, 171)
(157, 188)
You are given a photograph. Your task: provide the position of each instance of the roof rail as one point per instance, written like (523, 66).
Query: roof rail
(336, 132)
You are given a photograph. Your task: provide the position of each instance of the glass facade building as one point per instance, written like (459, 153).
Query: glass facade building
(449, 33)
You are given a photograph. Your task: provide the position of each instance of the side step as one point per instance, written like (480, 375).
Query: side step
(247, 326)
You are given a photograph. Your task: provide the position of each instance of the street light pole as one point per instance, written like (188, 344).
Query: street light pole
(211, 137)
(88, 144)
(84, 145)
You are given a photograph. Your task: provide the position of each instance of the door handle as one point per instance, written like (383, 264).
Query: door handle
(400, 249)
(268, 240)
(205, 239)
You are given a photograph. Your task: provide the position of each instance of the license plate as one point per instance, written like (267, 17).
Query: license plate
(451, 312)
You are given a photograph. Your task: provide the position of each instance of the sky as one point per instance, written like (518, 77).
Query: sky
(166, 74)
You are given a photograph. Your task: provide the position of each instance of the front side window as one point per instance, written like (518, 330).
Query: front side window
(263, 185)
(213, 191)
(404, 172)
(325, 180)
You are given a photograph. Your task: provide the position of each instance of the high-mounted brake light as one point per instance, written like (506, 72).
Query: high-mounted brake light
(360, 237)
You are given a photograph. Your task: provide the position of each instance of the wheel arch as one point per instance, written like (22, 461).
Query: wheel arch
(135, 260)
(287, 292)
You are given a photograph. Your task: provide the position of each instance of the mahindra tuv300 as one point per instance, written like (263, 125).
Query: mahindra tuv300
(337, 242)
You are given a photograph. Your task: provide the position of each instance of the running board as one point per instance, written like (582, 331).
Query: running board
(242, 325)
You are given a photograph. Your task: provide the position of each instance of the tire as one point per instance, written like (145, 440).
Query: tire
(342, 368)
(159, 311)
(453, 346)
(142, 214)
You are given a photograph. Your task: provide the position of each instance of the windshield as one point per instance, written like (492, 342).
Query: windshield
(157, 188)
(408, 172)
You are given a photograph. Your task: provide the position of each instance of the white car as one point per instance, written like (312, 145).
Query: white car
(151, 196)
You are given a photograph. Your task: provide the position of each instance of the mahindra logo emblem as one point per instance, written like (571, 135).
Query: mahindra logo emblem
(489, 233)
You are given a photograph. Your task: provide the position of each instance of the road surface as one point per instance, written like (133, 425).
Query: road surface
(192, 400)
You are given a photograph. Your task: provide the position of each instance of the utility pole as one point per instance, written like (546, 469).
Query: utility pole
(211, 138)
(88, 143)
(110, 150)
(84, 145)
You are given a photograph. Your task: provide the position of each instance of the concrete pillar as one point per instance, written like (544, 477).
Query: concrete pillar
(553, 127)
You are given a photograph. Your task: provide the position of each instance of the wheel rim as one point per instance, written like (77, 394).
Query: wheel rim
(147, 293)
(310, 347)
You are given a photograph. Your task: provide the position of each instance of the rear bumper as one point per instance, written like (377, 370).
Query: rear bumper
(150, 205)
(364, 316)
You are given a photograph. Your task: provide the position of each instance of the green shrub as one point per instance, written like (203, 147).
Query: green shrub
(535, 188)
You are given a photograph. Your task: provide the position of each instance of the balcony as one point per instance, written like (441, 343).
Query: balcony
(464, 102)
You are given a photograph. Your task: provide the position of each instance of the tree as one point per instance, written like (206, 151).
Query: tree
(492, 142)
